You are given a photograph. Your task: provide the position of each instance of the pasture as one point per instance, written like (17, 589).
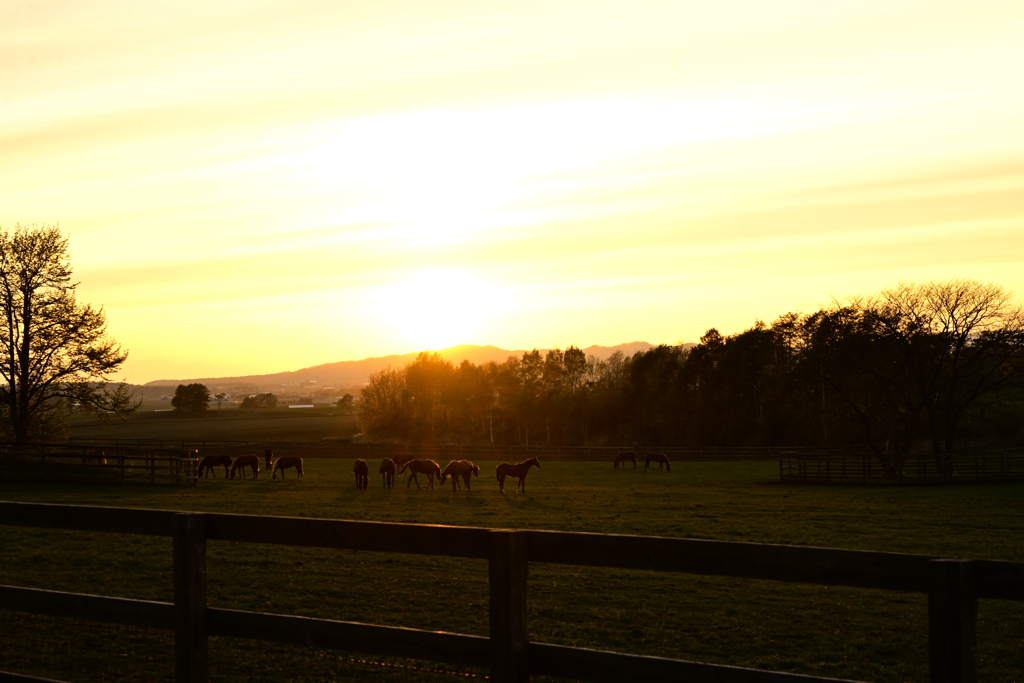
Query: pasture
(229, 424)
(839, 632)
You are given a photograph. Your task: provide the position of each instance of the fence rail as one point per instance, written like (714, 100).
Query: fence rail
(120, 463)
(335, 449)
(953, 588)
(973, 466)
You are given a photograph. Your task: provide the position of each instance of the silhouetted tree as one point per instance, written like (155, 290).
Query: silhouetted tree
(53, 350)
(257, 401)
(193, 398)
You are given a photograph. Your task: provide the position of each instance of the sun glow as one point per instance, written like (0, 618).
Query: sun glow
(440, 308)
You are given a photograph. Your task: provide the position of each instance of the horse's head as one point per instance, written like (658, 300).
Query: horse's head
(476, 471)
(442, 477)
(535, 463)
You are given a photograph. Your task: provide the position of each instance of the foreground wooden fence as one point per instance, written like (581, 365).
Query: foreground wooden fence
(975, 466)
(953, 588)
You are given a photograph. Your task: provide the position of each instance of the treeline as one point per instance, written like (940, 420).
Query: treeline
(916, 366)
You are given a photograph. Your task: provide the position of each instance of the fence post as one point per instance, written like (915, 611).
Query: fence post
(191, 664)
(507, 570)
(952, 619)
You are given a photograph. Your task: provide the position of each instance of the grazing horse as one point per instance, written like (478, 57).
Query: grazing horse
(623, 457)
(97, 455)
(284, 463)
(459, 468)
(659, 458)
(402, 458)
(387, 468)
(518, 471)
(211, 461)
(475, 469)
(243, 461)
(456, 469)
(417, 466)
(362, 471)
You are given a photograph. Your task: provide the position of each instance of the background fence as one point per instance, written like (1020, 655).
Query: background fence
(443, 453)
(122, 463)
(974, 466)
(953, 588)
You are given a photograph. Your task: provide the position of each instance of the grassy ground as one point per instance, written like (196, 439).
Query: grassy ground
(846, 633)
(228, 424)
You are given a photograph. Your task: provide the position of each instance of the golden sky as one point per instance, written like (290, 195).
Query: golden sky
(265, 185)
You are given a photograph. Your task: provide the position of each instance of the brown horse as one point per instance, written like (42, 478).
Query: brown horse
(243, 461)
(475, 469)
(362, 471)
(402, 458)
(268, 456)
(517, 471)
(417, 466)
(96, 455)
(211, 461)
(459, 468)
(659, 458)
(284, 463)
(623, 457)
(387, 468)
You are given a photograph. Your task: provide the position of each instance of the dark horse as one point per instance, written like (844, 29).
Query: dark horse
(362, 471)
(243, 461)
(417, 466)
(623, 457)
(518, 471)
(387, 468)
(659, 458)
(211, 461)
(459, 468)
(284, 463)
(268, 456)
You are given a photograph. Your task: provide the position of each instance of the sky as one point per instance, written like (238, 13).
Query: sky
(259, 186)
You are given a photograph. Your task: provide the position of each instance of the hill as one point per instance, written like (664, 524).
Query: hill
(354, 373)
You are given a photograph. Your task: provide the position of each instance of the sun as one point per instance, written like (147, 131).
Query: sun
(438, 309)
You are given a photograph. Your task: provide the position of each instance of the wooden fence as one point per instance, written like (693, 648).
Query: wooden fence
(371, 451)
(120, 464)
(953, 587)
(974, 466)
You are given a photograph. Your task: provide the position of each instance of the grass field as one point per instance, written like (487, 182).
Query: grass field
(229, 424)
(839, 632)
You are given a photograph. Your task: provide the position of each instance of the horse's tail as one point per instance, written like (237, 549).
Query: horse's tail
(499, 472)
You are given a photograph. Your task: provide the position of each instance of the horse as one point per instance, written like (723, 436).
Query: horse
(268, 455)
(417, 466)
(211, 461)
(362, 472)
(402, 458)
(387, 468)
(243, 461)
(98, 455)
(518, 471)
(475, 469)
(459, 468)
(659, 458)
(284, 463)
(623, 457)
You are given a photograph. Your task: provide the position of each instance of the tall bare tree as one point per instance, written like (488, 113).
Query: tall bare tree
(53, 350)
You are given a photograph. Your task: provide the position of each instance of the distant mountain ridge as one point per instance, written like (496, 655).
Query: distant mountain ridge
(349, 373)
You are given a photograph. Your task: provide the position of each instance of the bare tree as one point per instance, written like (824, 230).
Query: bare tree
(54, 350)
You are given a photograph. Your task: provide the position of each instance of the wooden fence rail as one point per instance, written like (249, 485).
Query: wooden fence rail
(968, 466)
(152, 465)
(953, 588)
(335, 449)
